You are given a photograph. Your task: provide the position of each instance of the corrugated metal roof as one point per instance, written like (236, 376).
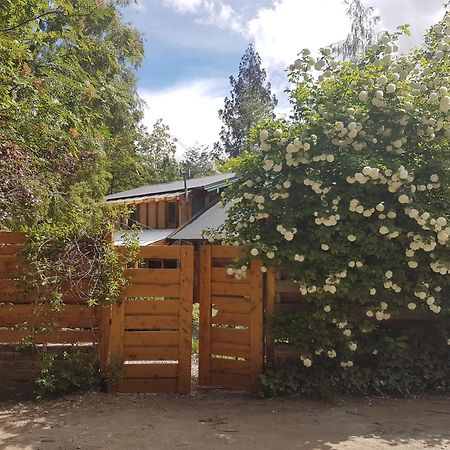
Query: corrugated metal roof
(148, 197)
(146, 237)
(211, 218)
(192, 183)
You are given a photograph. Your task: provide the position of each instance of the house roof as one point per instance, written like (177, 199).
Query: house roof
(146, 237)
(209, 183)
(213, 217)
(165, 196)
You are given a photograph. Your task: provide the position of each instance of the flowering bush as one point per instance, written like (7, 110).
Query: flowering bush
(352, 194)
(408, 362)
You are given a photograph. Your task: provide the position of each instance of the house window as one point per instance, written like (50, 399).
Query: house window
(198, 203)
(172, 215)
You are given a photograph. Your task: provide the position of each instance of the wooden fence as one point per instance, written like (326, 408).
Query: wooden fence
(24, 318)
(151, 329)
(23, 315)
(231, 321)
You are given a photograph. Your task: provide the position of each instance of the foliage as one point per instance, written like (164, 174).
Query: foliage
(362, 34)
(351, 195)
(70, 371)
(232, 164)
(198, 161)
(17, 185)
(400, 361)
(195, 327)
(76, 256)
(250, 101)
(154, 161)
(115, 370)
(68, 102)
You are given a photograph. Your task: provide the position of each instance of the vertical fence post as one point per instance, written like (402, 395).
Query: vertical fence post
(205, 315)
(256, 322)
(270, 307)
(104, 328)
(185, 328)
(116, 337)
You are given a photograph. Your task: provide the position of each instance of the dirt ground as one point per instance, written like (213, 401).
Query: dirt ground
(217, 419)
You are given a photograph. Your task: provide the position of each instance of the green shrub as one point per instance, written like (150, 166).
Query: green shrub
(403, 361)
(70, 371)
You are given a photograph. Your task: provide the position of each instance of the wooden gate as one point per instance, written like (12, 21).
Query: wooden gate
(150, 333)
(231, 321)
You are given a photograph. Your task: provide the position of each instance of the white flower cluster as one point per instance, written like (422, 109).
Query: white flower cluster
(358, 172)
(287, 234)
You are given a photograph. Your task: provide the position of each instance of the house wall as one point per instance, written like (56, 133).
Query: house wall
(153, 214)
(161, 207)
(142, 213)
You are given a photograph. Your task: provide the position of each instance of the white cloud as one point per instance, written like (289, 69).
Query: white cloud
(138, 5)
(183, 6)
(420, 14)
(209, 12)
(281, 31)
(221, 15)
(190, 110)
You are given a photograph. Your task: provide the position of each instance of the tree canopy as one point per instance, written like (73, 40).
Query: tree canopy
(198, 161)
(70, 113)
(362, 31)
(250, 101)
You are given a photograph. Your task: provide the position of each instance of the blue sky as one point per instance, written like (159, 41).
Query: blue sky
(193, 46)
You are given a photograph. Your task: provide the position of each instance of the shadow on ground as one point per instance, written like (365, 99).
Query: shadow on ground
(217, 419)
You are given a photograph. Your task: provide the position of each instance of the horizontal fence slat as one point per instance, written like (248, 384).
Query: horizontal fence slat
(72, 316)
(231, 305)
(235, 350)
(150, 353)
(227, 251)
(223, 365)
(226, 380)
(12, 237)
(151, 322)
(8, 288)
(152, 290)
(9, 265)
(219, 274)
(151, 338)
(160, 252)
(282, 286)
(230, 336)
(150, 370)
(231, 319)
(153, 275)
(10, 249)
(152, 307)
(59, 337)
(230, 289)
(157, 386)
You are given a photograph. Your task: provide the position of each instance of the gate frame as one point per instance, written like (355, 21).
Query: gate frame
(115, 334)
(256, 325)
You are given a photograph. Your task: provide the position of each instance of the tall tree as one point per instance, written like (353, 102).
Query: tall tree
(152, 161)
(157, 155)
(198, 161)
(250, 101)
(362, 33)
